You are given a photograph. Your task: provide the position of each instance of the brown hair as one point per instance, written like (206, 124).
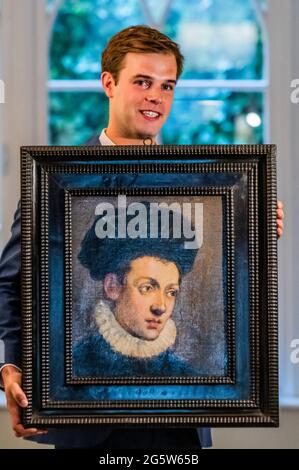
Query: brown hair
(140, 39)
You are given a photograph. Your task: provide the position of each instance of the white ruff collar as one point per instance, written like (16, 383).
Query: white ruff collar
(123, 342)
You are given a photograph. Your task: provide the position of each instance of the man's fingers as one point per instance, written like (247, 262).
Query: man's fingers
(15, 413)
(16, 398)
(18, 395)
(279, 232)
(17, 427)
(279, 227)
(279, 218)
(20, 431)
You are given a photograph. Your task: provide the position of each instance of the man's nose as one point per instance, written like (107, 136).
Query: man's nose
(157, 311)
(154, 95)
(158, 307)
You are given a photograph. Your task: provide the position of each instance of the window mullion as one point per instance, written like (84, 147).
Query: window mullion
(149, 17)
(234, 85)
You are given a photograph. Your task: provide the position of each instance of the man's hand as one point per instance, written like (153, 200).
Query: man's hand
(16, 398)
(279, 218)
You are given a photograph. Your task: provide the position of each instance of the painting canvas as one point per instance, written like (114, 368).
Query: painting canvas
(149, 285)
(153, 292)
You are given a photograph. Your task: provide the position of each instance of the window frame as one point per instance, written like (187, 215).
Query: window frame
(246, 86)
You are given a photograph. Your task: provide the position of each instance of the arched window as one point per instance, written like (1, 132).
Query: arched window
(220, 97)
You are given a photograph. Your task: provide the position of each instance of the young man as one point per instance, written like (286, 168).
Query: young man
(140, 67)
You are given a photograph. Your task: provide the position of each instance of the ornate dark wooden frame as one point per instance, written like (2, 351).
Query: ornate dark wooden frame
(259, 162)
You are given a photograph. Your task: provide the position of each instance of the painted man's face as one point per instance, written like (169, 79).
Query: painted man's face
(146, 301)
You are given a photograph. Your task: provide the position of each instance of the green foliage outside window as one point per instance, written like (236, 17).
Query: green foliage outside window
(220, 40)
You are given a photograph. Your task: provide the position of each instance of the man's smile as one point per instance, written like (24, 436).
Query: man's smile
(150, 115)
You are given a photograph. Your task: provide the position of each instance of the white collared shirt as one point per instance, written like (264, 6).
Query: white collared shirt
(104, 139)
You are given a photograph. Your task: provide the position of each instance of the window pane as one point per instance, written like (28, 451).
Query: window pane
(215, 117)
(209, 117)
(218, 39)
(75, 117)
(81, 32)
(50, 3)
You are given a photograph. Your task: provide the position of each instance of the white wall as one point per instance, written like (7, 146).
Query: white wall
(284, 437)
(24, 70)
(283, 27)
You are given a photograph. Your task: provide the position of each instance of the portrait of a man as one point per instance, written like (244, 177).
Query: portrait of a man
(138, 255)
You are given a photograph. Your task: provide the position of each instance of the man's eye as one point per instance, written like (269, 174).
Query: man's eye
(168, 87)
(143, 83)
(172, 293)
(145, 288)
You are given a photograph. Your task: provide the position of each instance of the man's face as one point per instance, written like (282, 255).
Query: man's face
(147, 299)
(141, 100)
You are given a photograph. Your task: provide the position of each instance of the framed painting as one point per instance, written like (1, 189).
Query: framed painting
(149, 285)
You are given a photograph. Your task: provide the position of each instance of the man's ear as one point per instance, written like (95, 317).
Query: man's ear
(108, 83)
(112, 286)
